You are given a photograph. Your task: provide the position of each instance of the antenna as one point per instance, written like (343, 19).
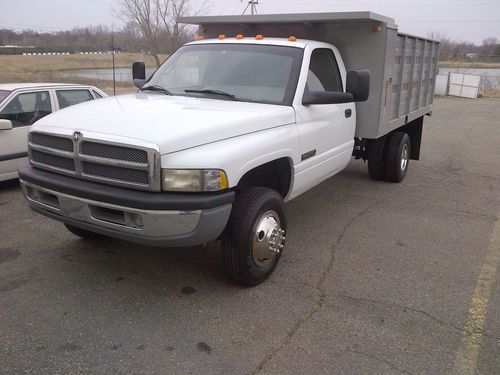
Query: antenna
(252, 4)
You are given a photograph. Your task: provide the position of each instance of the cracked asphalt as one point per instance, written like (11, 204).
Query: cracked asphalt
(376, 278)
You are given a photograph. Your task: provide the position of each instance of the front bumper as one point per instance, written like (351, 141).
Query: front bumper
(148, 218)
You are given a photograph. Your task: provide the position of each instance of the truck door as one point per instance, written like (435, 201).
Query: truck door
(326, 130)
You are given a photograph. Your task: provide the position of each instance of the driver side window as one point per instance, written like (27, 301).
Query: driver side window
(324, 74)
(188, 71)
(26, 108)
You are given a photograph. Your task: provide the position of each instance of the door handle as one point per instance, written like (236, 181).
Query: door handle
(348, 113)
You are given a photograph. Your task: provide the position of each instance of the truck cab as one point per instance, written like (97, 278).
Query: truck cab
(214, 143)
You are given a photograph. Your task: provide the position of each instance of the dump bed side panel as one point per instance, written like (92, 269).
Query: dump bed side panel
(411, 67)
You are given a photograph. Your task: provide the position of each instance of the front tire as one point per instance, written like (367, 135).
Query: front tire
(82, 233)
(255, 235)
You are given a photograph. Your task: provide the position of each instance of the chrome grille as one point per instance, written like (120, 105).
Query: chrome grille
(116, 173)
(114, 152)
(58, 143)
(55, 161)
(112, 163)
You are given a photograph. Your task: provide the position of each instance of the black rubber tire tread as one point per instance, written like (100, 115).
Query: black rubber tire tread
(375, 157)
(237, 240)
(82, 233)
(392, 163)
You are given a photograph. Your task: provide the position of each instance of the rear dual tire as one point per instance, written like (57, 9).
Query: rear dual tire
(375, 158)
(389, 157)
(397, 157)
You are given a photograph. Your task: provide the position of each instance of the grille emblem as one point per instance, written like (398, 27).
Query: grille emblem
(77, 136)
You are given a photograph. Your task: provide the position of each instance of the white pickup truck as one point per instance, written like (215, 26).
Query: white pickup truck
(254, 113)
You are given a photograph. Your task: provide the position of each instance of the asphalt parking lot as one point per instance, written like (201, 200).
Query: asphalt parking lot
(377, 278)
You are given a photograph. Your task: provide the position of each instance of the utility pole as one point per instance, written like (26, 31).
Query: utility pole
(252, 4)
(113, 54)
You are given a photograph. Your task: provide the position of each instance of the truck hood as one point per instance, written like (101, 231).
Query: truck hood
(173, 123)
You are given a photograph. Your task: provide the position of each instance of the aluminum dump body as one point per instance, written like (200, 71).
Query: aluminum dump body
(403, 67)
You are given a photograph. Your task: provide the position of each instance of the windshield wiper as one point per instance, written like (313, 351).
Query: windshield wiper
(157, 88)
(214, 92)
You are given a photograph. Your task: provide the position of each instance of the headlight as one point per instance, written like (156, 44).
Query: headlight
(194, 180)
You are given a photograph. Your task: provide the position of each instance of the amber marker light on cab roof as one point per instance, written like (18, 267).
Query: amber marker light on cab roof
(259, 37)
(222, 36)
(240, 36)
(292, 38)
(200, 37)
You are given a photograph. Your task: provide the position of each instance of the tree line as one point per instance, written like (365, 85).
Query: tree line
(452, 50)
(150, 26)
(92, 38)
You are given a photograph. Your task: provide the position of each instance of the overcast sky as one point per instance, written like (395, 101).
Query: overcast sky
(464, 20)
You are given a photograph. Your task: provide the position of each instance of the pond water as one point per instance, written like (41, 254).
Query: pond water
(121, 74)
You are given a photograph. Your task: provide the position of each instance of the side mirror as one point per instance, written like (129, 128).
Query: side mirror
(139, 74)
(357, 87)
(5, 124)
(358, 84)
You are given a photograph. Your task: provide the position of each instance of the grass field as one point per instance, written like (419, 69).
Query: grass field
(17, 68)
(490, 94)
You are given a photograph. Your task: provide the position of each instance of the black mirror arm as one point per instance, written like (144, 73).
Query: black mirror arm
(322, 97)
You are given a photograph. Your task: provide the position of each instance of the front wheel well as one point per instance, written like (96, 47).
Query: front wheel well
(276, 175)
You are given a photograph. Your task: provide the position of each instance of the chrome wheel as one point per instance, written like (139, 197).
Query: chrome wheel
(268, 238)
(404, 157)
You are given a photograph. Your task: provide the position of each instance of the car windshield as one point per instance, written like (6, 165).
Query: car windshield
(243, 72)
(4, 94)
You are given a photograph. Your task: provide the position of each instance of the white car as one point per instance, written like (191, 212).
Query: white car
(21, 105)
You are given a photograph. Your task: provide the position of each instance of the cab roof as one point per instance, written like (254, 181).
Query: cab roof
(299, 43)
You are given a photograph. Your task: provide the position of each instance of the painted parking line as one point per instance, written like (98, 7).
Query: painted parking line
(466, 359)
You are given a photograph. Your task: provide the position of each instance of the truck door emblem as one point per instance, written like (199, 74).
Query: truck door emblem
(77, 136)
(308, 154)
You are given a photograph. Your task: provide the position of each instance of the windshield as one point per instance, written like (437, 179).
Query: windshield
(246, 72)
(4, 94)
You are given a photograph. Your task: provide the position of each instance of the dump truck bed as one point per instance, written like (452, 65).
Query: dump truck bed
(403, 67)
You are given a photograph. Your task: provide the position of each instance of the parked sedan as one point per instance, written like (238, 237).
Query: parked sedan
(21, 105)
